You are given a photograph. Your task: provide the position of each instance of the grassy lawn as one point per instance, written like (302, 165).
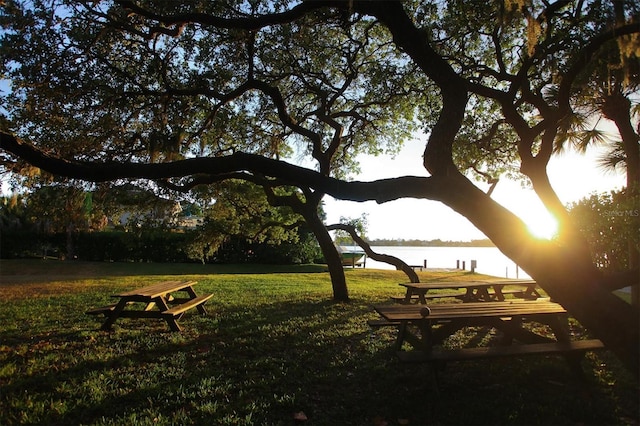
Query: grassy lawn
(274, 344)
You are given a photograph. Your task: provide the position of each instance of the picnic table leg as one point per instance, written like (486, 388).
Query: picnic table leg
(193, 295)
(530, 292)
(407, 296)
(469, 296)
(482, 294)
(427, 341)
(426, 336)
(498, 295)
(113, 315)
(476, 294)
(171, 321)
(560, 327)
(507, 338)
(513, 330)
(438, 335)
(420, 341)
(150, 306)
(402, 332)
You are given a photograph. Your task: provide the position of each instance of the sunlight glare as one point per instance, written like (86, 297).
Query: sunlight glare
(543, 226)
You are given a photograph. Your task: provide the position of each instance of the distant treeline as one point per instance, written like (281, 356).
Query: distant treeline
(433, 243)
(152, 246)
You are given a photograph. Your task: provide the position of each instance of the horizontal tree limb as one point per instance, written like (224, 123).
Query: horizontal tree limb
(381, 191)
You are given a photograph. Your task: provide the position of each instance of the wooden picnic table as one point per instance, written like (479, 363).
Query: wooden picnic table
(154, 301)
(425, 329)
(475, 291)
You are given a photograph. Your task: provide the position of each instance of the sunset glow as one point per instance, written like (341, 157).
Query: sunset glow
(543, 225)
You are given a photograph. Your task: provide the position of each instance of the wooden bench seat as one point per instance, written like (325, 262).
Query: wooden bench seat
(383, 323)
(400, 299)
(519, 293)
(191, 303)
(103, 310)
(501, 351)
(430, 296)
(510, 291)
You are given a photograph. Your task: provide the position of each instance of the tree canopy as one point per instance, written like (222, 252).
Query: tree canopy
(288, 93)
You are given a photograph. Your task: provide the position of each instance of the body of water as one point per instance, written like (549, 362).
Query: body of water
(489, 260)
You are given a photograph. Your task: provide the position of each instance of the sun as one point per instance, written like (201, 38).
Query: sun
(542, 225)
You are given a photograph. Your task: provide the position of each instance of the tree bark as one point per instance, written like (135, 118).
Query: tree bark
(616, 107)
(70, 246)
(561, 268)
(391, 260)
(331, 256)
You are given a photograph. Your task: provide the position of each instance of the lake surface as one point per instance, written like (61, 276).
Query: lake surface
(489, 260)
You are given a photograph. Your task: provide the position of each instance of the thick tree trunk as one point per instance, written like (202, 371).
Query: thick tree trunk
(569, 234)
(561, 268)
(331, 255)
(617, 107)
(582, 291)
(308, 209)
(70, 246)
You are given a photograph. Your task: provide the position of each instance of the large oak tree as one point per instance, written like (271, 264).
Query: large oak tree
(193, 92)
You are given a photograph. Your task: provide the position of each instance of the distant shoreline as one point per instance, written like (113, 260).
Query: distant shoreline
(431, 243)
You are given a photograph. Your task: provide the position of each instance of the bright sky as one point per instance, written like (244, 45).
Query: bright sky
(573, 176)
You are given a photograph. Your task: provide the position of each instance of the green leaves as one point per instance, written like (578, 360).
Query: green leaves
(609, 222)
(99, 82)
(241, 211)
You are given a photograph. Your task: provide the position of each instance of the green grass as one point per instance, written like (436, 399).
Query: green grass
(274, 344)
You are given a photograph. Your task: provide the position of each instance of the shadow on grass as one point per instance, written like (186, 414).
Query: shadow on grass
(260, 364)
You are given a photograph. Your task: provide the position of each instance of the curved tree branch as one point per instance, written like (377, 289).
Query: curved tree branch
(380, 191)
(438, 155)
(251, 23)
(391, 260)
